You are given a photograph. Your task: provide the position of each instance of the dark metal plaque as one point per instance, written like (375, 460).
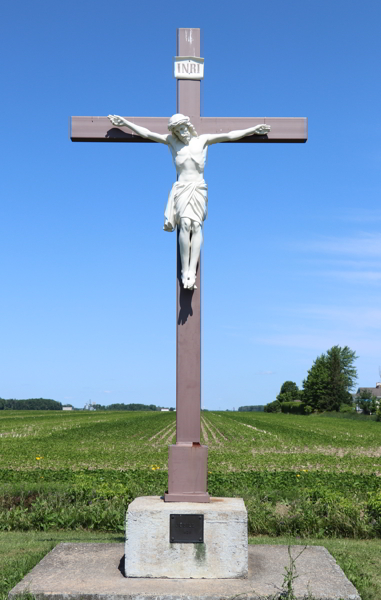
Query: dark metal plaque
(186, 529)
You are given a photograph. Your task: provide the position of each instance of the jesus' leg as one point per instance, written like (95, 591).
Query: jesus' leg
(185, 243)
(195, 248)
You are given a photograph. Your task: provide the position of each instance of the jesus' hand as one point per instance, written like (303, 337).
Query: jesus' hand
(117, 121)
(262, 129)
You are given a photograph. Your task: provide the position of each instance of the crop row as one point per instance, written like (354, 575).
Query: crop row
(237, 442)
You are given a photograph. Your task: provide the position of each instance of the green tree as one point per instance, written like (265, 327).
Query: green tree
(316, 385)
(289, 392)
(329, 380)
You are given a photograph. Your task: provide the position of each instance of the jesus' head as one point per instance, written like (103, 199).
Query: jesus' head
(182, 128)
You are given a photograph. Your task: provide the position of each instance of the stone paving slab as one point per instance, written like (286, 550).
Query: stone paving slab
(95, 572)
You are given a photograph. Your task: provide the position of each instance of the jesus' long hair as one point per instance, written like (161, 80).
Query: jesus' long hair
(192, 130)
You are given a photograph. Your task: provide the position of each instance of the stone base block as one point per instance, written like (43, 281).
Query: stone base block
(150, 553)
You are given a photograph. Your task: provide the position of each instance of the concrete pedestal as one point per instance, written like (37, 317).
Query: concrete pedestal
(150, 553)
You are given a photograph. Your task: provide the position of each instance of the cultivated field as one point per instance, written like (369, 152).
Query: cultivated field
(139, 440)
(70, 476)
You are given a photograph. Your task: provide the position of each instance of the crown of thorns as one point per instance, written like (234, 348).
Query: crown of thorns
(180, 119)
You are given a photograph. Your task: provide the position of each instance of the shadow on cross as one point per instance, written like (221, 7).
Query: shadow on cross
(114, 133)
(186, 296)
(185, 302)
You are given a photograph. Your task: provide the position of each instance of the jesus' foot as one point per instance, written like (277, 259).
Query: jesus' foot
(188, 279)
(192, 280)
(184, 278)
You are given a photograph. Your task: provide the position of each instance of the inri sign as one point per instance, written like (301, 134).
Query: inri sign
(188, 67)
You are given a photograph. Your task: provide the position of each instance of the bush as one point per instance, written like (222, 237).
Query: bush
(273, 407)
(374, 508)
(295, 408)
(367, 402)
(278, 503)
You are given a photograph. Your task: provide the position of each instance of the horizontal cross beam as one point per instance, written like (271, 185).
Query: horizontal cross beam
(99, 129)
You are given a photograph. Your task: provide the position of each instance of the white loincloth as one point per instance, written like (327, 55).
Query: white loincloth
(186, 200)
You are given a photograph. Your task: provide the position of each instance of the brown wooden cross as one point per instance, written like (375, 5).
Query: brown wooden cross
(187, 466)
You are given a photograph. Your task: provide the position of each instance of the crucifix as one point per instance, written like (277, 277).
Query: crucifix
(188, 136)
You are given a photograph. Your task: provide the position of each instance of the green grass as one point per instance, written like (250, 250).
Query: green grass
(359, 559)
(20, 552)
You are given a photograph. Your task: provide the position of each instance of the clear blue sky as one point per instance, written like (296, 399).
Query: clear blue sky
(292, 241)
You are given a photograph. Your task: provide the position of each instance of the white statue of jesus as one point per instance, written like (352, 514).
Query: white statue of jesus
(188, 199)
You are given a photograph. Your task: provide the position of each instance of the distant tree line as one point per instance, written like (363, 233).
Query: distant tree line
(122, 406)
(31, 404)
(45, 404)
(326, 387)
(257, 408)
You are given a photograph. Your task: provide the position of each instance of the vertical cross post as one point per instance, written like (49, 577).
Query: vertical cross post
(188, 460)
(188, 303)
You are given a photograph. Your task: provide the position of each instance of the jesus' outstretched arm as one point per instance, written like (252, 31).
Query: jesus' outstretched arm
(142, 131)
(232, 136)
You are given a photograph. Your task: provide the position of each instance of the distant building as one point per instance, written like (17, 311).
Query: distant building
(164, 409)
(89, 406)
(376, 391)
(67, 408)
